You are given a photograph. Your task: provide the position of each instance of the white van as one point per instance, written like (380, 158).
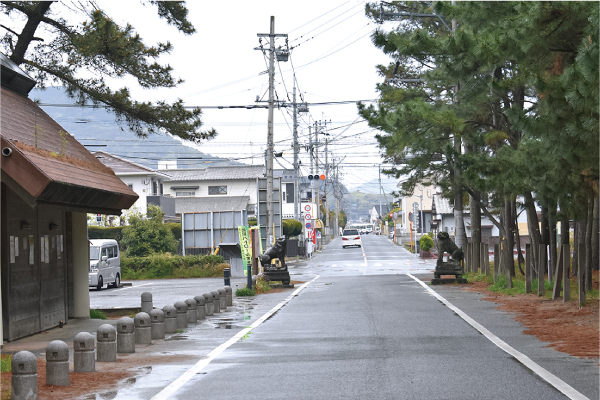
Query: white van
(105, 263)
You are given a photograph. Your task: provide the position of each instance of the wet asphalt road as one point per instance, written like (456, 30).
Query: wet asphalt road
(364, 328)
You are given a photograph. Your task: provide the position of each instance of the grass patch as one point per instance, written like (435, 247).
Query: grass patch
(97, 314)
(5, 363)
(245, 292)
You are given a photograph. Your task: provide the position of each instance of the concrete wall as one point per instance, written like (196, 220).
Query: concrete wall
(81, 266)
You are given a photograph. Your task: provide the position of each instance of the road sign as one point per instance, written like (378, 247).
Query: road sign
(307, 207)
(308, 225)
(307, 217)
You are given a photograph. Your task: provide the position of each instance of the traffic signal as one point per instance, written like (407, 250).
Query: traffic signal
(98, 217)
(316, 177)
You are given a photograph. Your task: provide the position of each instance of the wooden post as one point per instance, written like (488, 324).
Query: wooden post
(558, 277)
(497, 257)
(581, 273)
(566, 255)
(541, 268)
(255, 250)
(528, 269)
(486, 258)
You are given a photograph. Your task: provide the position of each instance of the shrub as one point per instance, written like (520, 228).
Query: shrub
(262, 285)
(426, 243)
(172, 266)
(148, 236)
(291, 227)
(245, 292)
(100, 232)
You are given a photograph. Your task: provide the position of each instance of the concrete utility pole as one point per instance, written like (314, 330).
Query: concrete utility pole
(327, 226)
(296, 166)
(459, 226)
(271, 35)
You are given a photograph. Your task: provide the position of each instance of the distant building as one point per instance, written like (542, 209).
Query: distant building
(191, 188)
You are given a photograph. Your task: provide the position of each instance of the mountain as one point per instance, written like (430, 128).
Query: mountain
(96, 129)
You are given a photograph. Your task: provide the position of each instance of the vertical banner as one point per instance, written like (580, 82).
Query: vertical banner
(245, 247)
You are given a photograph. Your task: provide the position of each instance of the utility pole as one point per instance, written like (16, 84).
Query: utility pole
(317, 181)
(296, 166)
(271, 35)
(380, 190)
(327, 227)
(459, 226)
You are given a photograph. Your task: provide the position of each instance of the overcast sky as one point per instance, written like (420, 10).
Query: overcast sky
(332, 57)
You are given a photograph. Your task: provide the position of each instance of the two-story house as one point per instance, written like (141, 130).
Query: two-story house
(146, 182)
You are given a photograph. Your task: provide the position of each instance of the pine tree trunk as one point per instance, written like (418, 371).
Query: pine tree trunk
(576, 229)
(475, 229)
(534, 228)
(509, 240)
(552, 237)
(588, 245)
(595, 245)
(564, 236)
(545, 226)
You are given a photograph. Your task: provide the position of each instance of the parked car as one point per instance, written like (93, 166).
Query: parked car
(105, 263)
(351, 237)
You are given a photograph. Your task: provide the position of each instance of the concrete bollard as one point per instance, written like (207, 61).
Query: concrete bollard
(181, 308)
(106, 348)
(229, 296)
(125, 335)
(57, 363)
(170, 319)
(192, 313)
(143, 330)
(146, 302)
(157, 323)
(222, 298)
(200, 307)
(216, 302)
(84, 358)
(24, 376)
(208, 303)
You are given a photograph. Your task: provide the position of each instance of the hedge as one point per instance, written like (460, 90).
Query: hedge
(171, 266)
(110, 232)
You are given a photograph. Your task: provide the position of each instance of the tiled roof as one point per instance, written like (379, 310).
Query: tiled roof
(121, 166)
(42, 148)
(233, 172)
(206, 204)
(442, 205)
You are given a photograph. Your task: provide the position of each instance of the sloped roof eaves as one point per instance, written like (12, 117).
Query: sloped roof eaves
(22, 121)
(216, 173)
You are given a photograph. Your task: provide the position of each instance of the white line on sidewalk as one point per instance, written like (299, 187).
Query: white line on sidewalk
(190, 373)
(546, 375)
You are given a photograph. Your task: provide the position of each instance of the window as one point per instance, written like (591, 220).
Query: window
(217, 190)
(130, 186)
(180, 194)
(289, 193)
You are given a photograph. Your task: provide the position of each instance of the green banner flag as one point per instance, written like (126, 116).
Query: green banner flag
(245, 247)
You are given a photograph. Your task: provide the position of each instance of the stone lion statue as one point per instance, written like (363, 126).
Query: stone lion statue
(278, 250)
(446, 245)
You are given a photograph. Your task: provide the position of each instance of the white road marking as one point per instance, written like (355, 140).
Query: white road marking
(546, 375)
(129, 287)
(190, 373)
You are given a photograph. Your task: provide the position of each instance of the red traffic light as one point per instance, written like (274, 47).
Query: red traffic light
(322, 177)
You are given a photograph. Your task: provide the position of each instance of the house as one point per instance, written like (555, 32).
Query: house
(235, 183)
(49, 183)
(146, 182)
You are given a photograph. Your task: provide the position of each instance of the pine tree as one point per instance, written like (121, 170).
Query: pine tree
(100, 48)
